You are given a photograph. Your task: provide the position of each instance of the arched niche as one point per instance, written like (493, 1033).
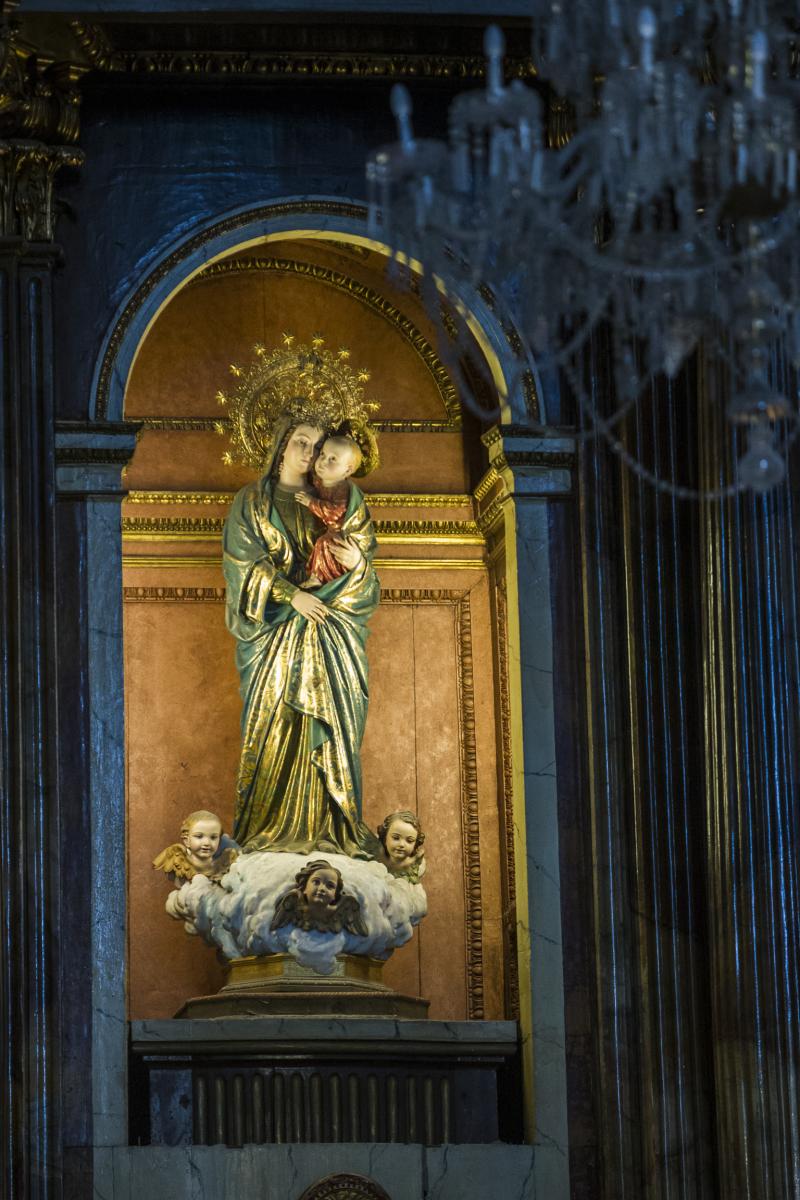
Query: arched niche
(435, 734)
(508, 676)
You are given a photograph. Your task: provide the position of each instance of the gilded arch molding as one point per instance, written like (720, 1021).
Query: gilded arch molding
(371, 299)
(248, 227)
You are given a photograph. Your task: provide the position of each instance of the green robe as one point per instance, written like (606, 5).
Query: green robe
(303, 686)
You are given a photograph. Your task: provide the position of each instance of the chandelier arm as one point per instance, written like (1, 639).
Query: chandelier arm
(606, 264)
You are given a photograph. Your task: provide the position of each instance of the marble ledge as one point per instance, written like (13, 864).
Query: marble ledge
(491, 1036)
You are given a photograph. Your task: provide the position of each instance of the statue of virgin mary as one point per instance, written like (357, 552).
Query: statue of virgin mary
(301, 655)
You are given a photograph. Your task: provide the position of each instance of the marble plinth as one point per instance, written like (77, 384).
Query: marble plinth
(257, 1080)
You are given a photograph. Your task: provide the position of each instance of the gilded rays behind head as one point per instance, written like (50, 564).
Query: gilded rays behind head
(296, 382)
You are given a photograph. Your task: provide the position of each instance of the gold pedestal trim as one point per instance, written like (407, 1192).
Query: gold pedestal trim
(271, 969)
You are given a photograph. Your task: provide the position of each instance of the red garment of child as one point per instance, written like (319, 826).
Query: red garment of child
(329, 505)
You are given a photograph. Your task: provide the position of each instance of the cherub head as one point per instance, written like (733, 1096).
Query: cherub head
(320, 884)
(338, 459)
(200, 834)
(402, 839)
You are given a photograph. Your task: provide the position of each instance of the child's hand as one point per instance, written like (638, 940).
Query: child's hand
(302, 498)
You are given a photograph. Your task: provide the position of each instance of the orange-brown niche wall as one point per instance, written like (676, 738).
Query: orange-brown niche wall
(431, 736)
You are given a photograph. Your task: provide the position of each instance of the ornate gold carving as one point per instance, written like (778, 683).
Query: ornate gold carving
(367, 296)
(182, 424)
(305, 382)
(380, 564)
(37, 99)
(415, 426)
(155, 529)
(464, 533)
(510, 876)
(470, 829)
(265, 213)
(535, 458)
(345, 1187)
(373, 499)
(95, 43)
(27, 172)
(211, 424)
(421, 500)
(489, 481)
(490, 516)
(254, 63)
(180, 497)
(420, 596)
(182, 595)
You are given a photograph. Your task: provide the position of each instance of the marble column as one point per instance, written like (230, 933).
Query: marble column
(40, 106)
(528, 478)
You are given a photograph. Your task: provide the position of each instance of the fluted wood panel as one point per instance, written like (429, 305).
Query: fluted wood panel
(28, 798)
(691, 623)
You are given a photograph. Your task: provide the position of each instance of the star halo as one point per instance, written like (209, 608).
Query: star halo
(308, 383)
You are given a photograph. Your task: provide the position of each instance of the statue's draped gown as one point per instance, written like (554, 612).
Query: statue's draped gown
(304, 686)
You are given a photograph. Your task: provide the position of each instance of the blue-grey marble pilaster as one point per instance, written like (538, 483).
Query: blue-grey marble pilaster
(536, 472)
(90, 458)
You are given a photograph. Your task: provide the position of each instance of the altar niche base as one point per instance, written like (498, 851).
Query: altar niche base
(278, 985)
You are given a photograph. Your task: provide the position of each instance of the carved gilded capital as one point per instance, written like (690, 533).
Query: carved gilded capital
(39, 124)
(27, 171)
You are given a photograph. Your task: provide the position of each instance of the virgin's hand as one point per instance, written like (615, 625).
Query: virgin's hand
(310, 606)
(346, 553)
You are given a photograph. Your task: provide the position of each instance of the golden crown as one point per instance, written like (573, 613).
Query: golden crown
(308, 383)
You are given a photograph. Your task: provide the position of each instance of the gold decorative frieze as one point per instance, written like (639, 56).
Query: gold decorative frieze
(470, 828)
(165, 595)
(39, 107)
(161, 529)
(183, 424)
(489, 481)
(182, 561)
(509, 862)
(171, 529)
(421, 500)
(207, 498)
(373, 499)
(369, 297)
(465, 533)
(215, 424)
(250, 62)
(491, 515)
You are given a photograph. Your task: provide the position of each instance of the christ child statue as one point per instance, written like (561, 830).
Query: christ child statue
(339, 457)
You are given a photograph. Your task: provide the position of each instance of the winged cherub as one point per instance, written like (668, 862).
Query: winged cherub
(197, 853)
(317, 901)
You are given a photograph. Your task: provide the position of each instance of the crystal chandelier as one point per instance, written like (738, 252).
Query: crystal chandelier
(670, 219)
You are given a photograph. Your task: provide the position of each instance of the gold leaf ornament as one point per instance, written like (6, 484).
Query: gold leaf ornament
(304, 383)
